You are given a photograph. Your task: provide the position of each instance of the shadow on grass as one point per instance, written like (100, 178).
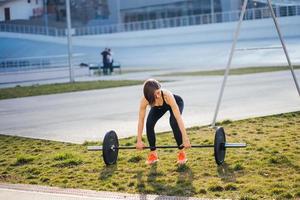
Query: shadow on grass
(226, 173)
(183, 187)
(107, 171)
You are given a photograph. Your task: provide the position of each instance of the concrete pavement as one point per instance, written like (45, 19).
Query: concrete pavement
(34, 192)
(88, 115)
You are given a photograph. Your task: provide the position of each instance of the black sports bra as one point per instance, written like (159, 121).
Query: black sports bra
(164, 105)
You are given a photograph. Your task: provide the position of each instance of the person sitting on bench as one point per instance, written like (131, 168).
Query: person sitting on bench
(111, 61)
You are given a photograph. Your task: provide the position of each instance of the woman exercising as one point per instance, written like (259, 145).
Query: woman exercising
(161, 101)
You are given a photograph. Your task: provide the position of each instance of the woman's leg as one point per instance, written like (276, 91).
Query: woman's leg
(174, 124)
(153, 116)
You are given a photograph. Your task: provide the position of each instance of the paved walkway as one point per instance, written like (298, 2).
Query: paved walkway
(34, 192)
(80, 116)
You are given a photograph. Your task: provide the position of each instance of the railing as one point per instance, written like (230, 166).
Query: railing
(251, 14)
(29, 29)
(36, 63)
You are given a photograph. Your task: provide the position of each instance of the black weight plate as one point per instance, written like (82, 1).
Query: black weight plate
(110, 155)
(219, 144)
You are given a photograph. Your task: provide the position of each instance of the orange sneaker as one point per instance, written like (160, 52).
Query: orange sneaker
(152, 158)
(181, 157)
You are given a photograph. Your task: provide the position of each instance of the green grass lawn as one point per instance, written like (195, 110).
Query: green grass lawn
(7, 93)
(233, 71)
(269, 168)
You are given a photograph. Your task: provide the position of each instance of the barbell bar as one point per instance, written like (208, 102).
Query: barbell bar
(226, 145)
(111, 147)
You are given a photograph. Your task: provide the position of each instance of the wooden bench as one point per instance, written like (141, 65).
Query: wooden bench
(100, 68)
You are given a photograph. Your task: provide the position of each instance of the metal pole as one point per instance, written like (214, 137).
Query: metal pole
(236, 35)
(212, 11)
(283, 46)
(69, 41)
(46, 16)
(118, 25)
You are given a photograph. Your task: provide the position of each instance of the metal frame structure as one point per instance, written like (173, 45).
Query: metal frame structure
(236, 35)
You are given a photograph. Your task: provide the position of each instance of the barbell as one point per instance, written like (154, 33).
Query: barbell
(110, 148)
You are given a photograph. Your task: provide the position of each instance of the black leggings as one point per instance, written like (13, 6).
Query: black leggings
(155, 114)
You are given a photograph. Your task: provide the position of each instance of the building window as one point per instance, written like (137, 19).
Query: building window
(28, 1)
(36, 2)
